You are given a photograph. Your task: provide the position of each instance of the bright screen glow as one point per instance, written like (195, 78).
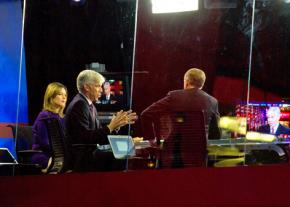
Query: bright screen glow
(122, 146)
(168, 6)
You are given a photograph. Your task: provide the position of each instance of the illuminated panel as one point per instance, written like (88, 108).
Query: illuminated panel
(170, 6)
(10, 47)
(257, 113)
(6, 139)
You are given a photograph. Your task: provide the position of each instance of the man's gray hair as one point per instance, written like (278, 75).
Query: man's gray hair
(274, 110)
(87, 77)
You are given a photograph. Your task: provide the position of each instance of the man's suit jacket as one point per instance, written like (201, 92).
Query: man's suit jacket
(280, 130)
(81, 129)
(183, 100)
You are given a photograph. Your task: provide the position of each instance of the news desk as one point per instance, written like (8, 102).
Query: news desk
(234, 152)
(249, 152)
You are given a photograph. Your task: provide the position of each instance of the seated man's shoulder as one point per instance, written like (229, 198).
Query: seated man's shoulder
(287, 129)
(176, 92)
(212, 99)
(263, 128)
(75, 107)
(77, 101)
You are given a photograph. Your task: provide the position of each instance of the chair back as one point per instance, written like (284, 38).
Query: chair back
(186, 144)
(59, 149)
(23, 138)
(7, 144)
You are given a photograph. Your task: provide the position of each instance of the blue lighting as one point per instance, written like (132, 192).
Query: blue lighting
(10, 86)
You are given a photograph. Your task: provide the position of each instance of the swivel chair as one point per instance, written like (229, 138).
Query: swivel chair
(186, 145)
(60, 150)
(23, 138)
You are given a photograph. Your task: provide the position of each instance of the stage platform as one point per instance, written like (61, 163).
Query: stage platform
(235, 186)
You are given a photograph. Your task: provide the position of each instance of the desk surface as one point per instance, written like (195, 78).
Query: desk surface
(243, 141)
(235, 141)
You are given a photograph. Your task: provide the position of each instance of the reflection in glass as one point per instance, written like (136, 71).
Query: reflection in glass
(269, 77)
(216, 38)
(224, 40)
(64, 37)
(13, 95)
(270, 68)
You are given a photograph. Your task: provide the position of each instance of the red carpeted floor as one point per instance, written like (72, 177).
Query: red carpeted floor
(237, 186)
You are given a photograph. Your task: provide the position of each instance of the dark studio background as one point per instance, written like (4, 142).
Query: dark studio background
(61, 38)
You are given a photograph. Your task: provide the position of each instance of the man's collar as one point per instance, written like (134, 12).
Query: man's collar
(276, 127)
(88, 100)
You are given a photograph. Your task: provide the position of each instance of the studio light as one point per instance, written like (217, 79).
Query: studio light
(172, 6)
(77, 2)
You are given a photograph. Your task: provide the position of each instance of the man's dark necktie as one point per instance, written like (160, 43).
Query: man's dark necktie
(272, 130)
(93, 113)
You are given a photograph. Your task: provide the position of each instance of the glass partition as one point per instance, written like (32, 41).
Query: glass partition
(144, 55)
(269, 95)
(62, 38)
(13, 99)
(269, 77)
(215, 38)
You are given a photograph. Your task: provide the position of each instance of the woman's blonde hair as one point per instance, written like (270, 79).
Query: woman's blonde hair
(52, 90)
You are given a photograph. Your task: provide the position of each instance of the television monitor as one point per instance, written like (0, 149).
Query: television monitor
(256, 113)
(115, 95)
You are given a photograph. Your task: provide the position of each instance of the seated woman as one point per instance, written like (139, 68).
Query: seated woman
(53, 105)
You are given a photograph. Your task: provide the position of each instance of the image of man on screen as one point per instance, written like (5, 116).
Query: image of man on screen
(273, 125)
(107, 96)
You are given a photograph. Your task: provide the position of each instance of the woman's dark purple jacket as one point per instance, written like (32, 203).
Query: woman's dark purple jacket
(40, 138)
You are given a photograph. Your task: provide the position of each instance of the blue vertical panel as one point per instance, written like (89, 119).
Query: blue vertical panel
(10, 46)
(10, 51)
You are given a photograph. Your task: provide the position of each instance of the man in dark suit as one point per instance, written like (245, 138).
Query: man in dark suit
(190, 98)
(82, 127)
(274, 126)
